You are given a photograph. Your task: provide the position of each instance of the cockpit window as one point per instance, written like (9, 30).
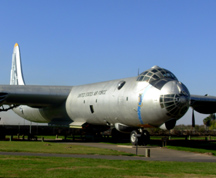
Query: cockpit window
(156, 73)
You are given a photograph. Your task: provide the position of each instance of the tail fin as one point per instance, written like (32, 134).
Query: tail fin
(16, 68)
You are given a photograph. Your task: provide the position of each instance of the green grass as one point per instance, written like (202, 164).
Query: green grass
(199, 147)
(193, 145)
(183, 138)
(196, 150)
(25, 166)
(32, 166)
(49, 147)
(39, 137)
(179, 143)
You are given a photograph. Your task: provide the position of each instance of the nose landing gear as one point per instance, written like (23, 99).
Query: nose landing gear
(139, 137)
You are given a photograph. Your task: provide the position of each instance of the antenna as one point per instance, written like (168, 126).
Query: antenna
(138, 71)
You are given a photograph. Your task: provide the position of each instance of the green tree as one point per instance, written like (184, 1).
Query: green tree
(207, 121)
(210, 121)
(213, 125)
(212, 116)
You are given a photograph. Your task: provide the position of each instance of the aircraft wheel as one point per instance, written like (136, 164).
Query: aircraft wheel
(145, 138)
(133, 137)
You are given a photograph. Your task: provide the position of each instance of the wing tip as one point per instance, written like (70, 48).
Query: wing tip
(16, 44)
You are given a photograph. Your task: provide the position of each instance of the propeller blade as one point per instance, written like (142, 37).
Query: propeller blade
(193, 119)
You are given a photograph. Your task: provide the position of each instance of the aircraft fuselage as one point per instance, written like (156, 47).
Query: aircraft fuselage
(133, 102)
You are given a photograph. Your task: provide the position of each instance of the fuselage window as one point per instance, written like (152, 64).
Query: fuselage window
(155, 77)
(146, 79)
(92, 109)
(140, 78)
(154, 70)
(120, 84)
(149, 74)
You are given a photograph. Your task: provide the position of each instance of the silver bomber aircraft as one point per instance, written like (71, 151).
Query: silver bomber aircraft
(155, 98)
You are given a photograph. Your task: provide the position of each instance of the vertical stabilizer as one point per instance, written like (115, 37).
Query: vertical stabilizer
(16, 68)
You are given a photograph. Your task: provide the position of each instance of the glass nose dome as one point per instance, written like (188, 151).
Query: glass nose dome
(156, 73)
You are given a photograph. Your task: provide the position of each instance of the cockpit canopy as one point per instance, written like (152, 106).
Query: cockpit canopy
(155, 73)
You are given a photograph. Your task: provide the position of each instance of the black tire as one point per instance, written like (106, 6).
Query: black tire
(133, 137)
(145, 138)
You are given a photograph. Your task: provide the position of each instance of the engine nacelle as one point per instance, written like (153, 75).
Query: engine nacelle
(123, 128)
(168, 125)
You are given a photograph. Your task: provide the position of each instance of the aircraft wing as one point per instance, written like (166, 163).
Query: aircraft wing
(42, 96)
(203, 104)
(34, 96)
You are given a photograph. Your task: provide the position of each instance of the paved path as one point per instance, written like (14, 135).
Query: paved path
(156, 153)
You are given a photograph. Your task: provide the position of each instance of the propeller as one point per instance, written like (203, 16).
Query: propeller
(193, 118)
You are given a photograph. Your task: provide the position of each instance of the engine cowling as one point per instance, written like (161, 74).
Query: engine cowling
(168, 125)
(123, 128)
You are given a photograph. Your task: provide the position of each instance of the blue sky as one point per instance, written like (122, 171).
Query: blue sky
(78, 42)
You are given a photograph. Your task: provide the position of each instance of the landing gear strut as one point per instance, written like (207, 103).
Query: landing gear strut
(139, 137)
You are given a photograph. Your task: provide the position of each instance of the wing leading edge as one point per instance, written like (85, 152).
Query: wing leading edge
(34, 96)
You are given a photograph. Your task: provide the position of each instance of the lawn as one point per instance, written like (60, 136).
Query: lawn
(26, 166)
(32, 166)
(51, 147)
(196, 144)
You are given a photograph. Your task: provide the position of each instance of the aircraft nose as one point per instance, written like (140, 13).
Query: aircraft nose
(175, 99)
